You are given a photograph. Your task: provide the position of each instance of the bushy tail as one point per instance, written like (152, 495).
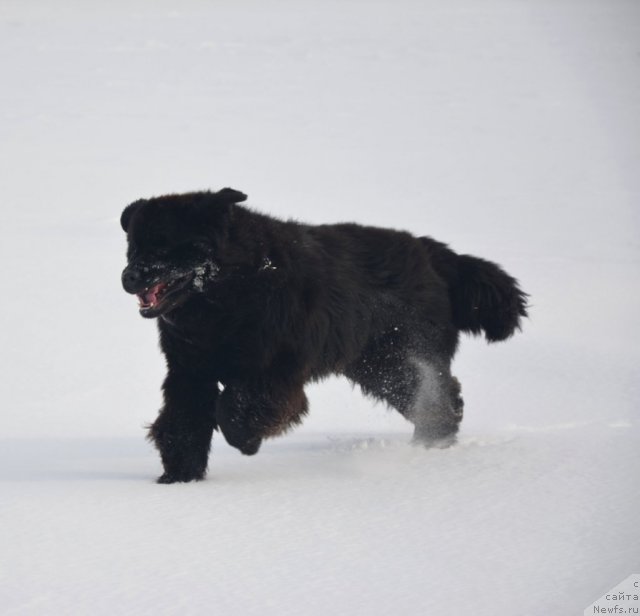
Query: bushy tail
(483, 296)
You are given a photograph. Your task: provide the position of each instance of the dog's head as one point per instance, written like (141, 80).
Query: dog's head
(173, 245)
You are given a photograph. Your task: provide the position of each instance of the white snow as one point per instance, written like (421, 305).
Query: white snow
(508, 128)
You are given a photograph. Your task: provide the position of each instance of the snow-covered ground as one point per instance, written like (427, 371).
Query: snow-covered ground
(508, 128)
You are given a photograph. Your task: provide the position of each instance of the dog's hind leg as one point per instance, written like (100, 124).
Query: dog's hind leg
(182, 432)
(437, 406)
(423, 390)
(248, 412)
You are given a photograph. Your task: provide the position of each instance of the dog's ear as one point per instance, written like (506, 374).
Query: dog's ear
(230, 196)
(128, 212)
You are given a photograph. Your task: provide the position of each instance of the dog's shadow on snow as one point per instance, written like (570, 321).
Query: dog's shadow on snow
(133, 459)
(80, 459)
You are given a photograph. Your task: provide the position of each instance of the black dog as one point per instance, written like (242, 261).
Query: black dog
(251, 308)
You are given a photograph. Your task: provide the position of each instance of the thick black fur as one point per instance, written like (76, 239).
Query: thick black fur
(253, 308)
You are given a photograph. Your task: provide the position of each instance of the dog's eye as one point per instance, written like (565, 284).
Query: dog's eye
(200, 245)
(161, 243)
(191, 250)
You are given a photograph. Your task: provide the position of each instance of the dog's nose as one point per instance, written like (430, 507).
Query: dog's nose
(130, 280)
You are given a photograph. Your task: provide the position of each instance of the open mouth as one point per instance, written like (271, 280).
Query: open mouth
(155, 299)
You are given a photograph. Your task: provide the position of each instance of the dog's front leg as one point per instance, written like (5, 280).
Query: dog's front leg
(182, 432)
(247, 413)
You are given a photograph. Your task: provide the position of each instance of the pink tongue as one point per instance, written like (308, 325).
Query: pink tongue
(150, 297)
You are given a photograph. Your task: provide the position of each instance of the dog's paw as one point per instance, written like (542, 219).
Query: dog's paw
(166, 477)
(431, 442)
(251, 447)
